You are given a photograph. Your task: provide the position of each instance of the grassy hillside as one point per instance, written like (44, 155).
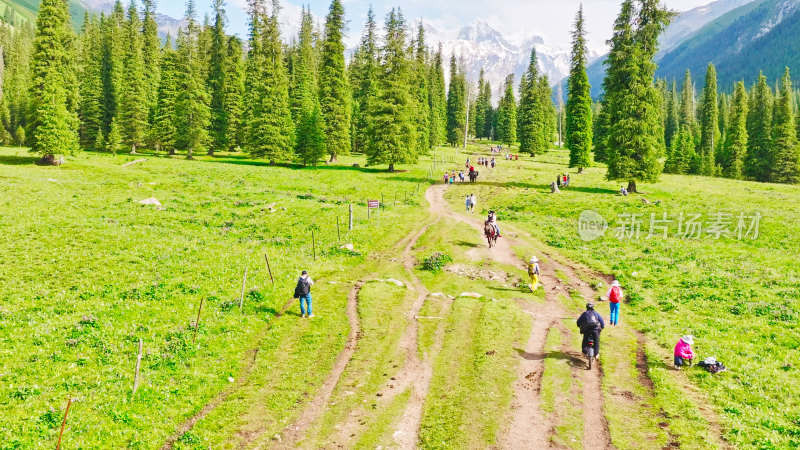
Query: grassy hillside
(27, 10)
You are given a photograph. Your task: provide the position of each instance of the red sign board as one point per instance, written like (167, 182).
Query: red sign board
(373, 204)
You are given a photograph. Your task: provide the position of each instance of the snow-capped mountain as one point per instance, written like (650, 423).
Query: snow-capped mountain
(479, 46)
(690, 21)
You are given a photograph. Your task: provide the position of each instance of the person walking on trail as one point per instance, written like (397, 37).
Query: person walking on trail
(303, 292)
(614, 296)
(591, 324)
(472, 202)
(461, 175)
(533, 272)
(468, 202)
(683, 351)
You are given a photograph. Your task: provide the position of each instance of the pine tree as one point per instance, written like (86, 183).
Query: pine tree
(92, 109)
(758, 160)
(724, 115)
(529, 128)
(549, 116)
(420, 85)
(216, 80)
(438, 101)
(507, 114)
(113, 29)
(54, 128)
(233, 94)
(192, 103)
(392, 130)
(363, 79)
(687, 108)
(334, 92)
(164, 124)
(99, 143)
(579, 102)
(488, 111)
(681, 153)
(600, 131)
(735, 148)
(456, 105)
(303, 86)
(480, 107)
(151, 54)
(311, 136)
(672, 119)
(786, 154)
(270, 131)
(635, 132)
(132, 109)
(709, 123)
(114, 140)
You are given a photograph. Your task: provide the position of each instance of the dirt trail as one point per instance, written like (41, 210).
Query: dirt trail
(248, 361)
(529, 428)
(311, 412)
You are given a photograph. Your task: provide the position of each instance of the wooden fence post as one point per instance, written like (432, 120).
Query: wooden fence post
(244, 283)
(351, 217)
(136, 373)
(269, 269)
(338, 233)
(197, 322)
(63, 423)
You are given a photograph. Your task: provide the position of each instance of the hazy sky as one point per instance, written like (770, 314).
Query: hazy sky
(516, 19)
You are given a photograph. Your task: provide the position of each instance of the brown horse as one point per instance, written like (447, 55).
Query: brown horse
(491, 233)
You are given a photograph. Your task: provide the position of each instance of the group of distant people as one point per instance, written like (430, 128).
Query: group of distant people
(470, 203)
(562, 180)
(511, 157)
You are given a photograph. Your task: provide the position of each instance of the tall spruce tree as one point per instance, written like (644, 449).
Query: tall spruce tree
(133, 112)
(480, 107)
(165, 119)
(392, 129)
(113, 28)
(758, 160)
(92, 107)
(192, 103)
(735, 148)
(579, 102)
(681, 152)
(507, 114)
(363, 79)
(311, 141)
(786, 154)
(233, 94)
(488, 111)
(709, 123)
(54, 124)
(635, 131)
(216, 80)
(456, 105)
(334, 92)
(151, 52)
(420, 85)
(672, 120)
(687, 105)
(438, 100)
(270, 131)
(527, 120)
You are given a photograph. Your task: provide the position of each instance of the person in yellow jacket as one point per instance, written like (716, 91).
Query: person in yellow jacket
(533, 272)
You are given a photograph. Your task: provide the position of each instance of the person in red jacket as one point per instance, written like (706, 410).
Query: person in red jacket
(683, 351)
(614, 296)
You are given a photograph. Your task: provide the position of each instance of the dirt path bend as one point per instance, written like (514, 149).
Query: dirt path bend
(312, 411)
(529, 427)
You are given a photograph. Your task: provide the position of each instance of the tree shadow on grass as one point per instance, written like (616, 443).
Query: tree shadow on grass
(9, 160)
(590, 190)
(465, 244)
(245, 160)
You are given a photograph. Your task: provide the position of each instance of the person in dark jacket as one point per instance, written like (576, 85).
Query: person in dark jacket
(591, 323)
(303, 292)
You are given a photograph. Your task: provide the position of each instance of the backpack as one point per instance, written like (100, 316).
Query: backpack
(302, 289)
(591, 322)
(615, 295)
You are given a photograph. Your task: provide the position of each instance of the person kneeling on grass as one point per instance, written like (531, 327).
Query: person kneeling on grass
(683, 351)
(303, 292)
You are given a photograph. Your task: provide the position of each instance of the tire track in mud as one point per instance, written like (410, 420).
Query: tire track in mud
(528, 427)
(312, 411)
